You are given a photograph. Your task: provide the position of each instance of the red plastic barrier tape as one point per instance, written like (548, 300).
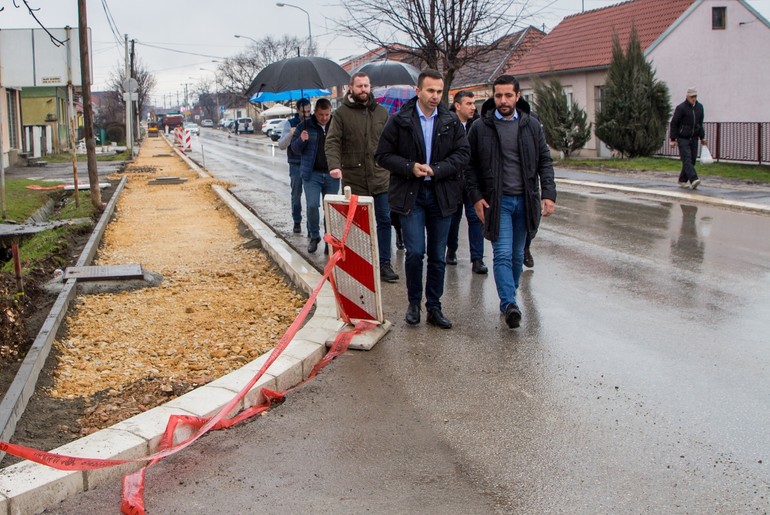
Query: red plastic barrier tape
(45, 188)
(133, 484)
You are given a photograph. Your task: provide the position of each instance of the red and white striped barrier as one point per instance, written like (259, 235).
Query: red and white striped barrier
(187, 141)
(357, 275)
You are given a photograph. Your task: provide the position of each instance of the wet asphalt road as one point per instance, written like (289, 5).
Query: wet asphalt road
(638, 381)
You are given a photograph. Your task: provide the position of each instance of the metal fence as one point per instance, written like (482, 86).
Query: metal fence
(733, 141)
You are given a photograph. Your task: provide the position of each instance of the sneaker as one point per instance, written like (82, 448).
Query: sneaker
(695, 184)
(683, 185)
(479, 267)
(451, 257)
(512, 316)
(387, 274)
(297, 228)
(529, 261)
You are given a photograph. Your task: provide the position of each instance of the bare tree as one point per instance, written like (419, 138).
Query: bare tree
(443, 34)
(236, 73)
(144, 78)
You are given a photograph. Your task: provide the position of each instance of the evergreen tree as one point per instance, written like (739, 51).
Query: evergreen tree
(566, 125)
(635, 106)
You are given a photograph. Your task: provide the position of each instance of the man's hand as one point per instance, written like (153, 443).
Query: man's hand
(304, 136)
(547, 207)
(336, 173)
(420, 170)
(479, 207)
(704, 143)
(672, 144)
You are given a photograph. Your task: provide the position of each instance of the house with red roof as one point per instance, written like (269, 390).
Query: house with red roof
(721, 47)
(478, 75)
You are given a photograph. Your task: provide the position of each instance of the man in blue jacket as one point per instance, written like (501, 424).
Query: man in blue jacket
(295, 177)
(509, 167)
(424, 148)
(308, 141)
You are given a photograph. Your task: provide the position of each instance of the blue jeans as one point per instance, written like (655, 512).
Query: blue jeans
(295, 180)
(425, 218)
(475, 230)
(317, 184)
(688, 153)
(382, 216)
(509, 249)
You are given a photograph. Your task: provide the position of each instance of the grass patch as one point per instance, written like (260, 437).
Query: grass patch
(746, 172)
(70, 209)
(47, 248)
(67, 157)
(21, 202)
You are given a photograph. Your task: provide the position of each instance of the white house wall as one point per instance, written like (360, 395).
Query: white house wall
(732, 84)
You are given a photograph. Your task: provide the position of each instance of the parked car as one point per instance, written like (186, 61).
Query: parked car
(207, 123)
(270, 125)
(225, 123)
(192, 127)
(246, 125)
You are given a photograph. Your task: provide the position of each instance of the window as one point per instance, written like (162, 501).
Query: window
(528, 95)
(598, 97)
(718, 18)
(13, 117)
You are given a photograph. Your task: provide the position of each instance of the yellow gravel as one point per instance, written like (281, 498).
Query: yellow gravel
(219, 306)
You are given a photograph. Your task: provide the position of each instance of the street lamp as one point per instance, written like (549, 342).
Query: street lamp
(309, 33)
(246, 37)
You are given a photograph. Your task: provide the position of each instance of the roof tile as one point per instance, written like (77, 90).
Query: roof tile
(584, 40)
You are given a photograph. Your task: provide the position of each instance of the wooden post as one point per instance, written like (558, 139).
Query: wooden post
(88, 110)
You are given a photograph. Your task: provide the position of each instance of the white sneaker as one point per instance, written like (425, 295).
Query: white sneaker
(683, 185)
(695, 184)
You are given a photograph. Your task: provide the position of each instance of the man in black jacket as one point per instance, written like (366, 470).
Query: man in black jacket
(686, 129)
(510, 165)
(424, 148)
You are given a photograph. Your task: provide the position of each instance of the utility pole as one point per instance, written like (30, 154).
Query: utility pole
(127, 92)
(88, 110)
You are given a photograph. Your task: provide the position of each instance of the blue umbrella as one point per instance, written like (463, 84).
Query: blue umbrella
(292, 94)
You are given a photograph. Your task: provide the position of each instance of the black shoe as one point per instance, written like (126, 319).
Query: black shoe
(451, 257)
(326, 249)
(387, 274)
(313, 245)
(437, 318)
(479, 267)
(399, 241)
(512, 316)
(529, 261)
(297, 228)
(413, 314)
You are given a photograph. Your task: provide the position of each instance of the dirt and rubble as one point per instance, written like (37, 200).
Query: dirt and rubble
(220, 304)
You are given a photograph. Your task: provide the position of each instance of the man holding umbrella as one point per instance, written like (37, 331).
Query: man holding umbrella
(309, 141)
(295, 177)
(350, 145)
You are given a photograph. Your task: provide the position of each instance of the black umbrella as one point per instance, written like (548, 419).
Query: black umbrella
(298, 73)
(390, 73)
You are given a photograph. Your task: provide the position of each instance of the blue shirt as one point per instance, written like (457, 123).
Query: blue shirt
(512, 119)
(427, 131)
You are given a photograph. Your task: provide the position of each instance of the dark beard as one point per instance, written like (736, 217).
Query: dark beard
(357, 98)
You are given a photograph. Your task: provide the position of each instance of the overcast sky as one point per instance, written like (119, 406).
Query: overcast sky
(206, 27)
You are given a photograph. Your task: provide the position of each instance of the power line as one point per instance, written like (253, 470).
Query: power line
(178, 51)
